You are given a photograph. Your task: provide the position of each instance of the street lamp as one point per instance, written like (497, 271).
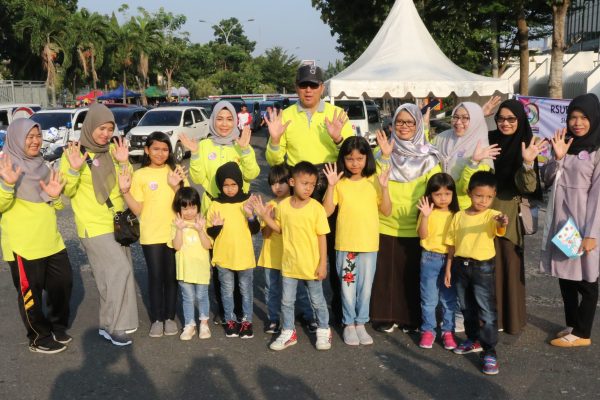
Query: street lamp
(228, 32)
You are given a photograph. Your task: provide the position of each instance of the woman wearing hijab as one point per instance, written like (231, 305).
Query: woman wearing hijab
(574, 174)
(224, 144)
(396, 288)
(29, 196)
(518, 175)
(91, 181)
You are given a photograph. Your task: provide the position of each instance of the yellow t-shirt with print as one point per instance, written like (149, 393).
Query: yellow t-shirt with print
(233, 247)
(437, 228)
(192, 259)
(358, 214)
(150, 187)
(473, 235)
(272, 248)
(300, 228)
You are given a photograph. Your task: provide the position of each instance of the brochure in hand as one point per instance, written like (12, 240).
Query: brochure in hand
(568, 239)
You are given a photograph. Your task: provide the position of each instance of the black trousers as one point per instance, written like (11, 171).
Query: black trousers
(162, 281)
(579, 314)
(31, 277)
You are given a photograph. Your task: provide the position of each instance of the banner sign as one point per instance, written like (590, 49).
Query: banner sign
(545, 115)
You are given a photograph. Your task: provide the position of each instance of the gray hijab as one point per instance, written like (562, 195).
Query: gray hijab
(104, 176)
(412, 158)
(34, 168)
(212, 129)
(456, 151)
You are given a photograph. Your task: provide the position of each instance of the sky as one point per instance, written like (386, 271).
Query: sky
(293, 25)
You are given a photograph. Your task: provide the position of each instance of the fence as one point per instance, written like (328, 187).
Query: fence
(23, 92)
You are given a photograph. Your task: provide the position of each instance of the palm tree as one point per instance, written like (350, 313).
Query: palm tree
(122, 46)
(147, 34)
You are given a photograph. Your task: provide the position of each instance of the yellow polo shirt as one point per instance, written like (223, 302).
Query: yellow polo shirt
(437, 228)
(272, 248)
(473, 235)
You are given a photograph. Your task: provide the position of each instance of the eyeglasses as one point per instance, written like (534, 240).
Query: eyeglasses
(312, 85)
(510, 120)
(408, 124)
(463, 119)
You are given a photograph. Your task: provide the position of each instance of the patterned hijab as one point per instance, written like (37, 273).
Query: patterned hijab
(212, 129)
(34, 168)
(104, 176)
(411, 159)
(457, 150)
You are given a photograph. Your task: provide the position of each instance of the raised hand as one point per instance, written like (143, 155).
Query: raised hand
(74, 156)
(490, 105)
(330, 171)
(501, 219)
(334, 127)
(384, 177)
(188, 143)
(216, 219)
(425, 206)
(55, 184)
(485, 153)
(249, 207)
(244, 140)
(200, 223)
(124, 180)
(536, 146)
(559, 145)
(174, 178)
(8, 175)
(258, 206)
(179, 221)
(385, 145)
(121, 151)
(276, 126)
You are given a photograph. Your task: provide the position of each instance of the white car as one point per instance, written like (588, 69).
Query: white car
(59, 126)
(192, 121)
(10, 112)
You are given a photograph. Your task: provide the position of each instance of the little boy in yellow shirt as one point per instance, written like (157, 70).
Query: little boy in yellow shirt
(470, 266)
(302, 222)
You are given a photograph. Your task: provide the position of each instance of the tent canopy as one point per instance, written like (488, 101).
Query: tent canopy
(91, 95)
(154, 91)
(117, 94)
(403, 59)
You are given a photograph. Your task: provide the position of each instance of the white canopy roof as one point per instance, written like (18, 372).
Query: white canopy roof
(404, 59)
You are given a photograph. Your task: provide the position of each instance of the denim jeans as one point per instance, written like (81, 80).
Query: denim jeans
(273, 297)
(317, 299)
(245, 278)
(433, 290)
(356, 272)
(476, 289)
(189, 293)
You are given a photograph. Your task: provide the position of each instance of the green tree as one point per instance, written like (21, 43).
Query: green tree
(171, 55)
(278, 69)
(231, 32)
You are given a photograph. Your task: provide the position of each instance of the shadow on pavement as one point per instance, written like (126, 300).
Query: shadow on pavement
(276, 385)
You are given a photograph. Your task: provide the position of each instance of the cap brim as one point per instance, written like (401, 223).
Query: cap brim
(309, 81)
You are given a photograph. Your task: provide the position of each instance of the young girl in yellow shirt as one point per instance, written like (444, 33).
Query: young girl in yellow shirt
(360, 198)
(436, 210)
(231, 223)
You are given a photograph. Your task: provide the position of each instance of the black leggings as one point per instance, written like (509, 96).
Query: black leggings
(162, 281)
(579, 314)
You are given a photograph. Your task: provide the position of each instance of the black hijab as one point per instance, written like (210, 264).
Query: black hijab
(510, 160)
(232, 171)
(589, 105)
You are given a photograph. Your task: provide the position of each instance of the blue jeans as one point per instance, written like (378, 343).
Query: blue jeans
(476, 289)
(245, 278)
(189, 293)
(273, 297)
(433, 290)
(356, 272)
(317, 299)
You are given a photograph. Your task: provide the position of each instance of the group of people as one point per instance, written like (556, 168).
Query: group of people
(403, 228)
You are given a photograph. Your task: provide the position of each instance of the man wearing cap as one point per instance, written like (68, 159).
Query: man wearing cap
(311, 130)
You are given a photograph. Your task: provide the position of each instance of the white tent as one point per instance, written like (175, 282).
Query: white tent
(403, 59)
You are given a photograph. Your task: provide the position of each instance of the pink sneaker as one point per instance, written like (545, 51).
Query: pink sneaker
(448, 340)
(427, 339)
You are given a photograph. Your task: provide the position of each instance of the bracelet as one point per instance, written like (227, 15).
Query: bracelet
(124, 192)
(474, 163)
(339, 141)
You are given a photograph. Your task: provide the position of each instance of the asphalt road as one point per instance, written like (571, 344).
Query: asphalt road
(221, 368)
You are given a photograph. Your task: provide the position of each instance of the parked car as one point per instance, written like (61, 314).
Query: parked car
(363, 123)
(127, 117)
(9, 112)
(59, 126)
(173, 121)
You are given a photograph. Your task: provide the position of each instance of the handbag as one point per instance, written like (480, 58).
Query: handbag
(529, 216)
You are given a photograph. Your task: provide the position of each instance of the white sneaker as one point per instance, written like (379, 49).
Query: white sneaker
(286, 338)
(189, 331)
(204, 330)
(350, 336)
(363, 337)
(323, 339)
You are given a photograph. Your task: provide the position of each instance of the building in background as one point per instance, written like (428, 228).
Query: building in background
(582, 26)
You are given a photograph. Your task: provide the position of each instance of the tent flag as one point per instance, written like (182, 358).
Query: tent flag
(403, 59)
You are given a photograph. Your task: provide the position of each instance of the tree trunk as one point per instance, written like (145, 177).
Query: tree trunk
(523, 37)
(168, 73)
(94, 74)
(124, 87)
(559, 11)
(494, 38)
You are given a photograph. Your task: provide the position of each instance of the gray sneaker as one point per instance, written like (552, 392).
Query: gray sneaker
(118, 338)
(171, 328)
(363, 336)
(156, 329)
